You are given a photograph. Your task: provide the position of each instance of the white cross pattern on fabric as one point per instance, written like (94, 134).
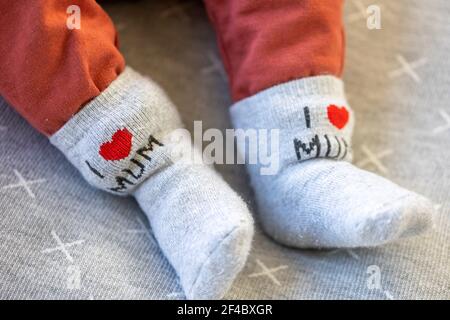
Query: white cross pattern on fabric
(388, 295)
(359, 14)
(62, 246)
(3, 128)
(179, 10)
(446, 126)
(143, 230)
(23, 183)
(175, 295)
(215, 66)
(408, 68)
(120, 26)
(268, 272)
(351, 253)
(374, 159)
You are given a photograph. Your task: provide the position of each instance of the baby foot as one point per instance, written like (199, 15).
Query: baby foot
(317, 198)
(122, 142)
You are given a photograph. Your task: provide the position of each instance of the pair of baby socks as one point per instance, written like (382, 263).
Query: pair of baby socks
(123, 142)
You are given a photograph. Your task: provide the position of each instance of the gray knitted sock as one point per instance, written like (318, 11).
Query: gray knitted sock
(123, 142)
(317, 198)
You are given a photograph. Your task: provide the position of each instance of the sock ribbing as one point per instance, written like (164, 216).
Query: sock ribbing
(312, 114)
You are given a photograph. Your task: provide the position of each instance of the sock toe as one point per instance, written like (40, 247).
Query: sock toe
(227, 259)
(331, 204)
(202, 226)
(405, 217)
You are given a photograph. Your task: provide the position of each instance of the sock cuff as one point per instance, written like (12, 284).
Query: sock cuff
(131, 94)
(115, 140)
(312, 115)
(304, 89)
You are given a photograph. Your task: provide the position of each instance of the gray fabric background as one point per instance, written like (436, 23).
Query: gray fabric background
(403, 116)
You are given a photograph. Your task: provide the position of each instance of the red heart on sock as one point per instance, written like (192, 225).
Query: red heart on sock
(338, 116)
(119, 147)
